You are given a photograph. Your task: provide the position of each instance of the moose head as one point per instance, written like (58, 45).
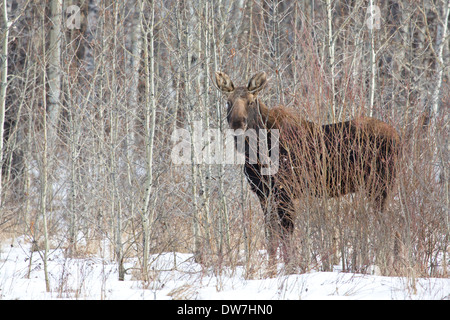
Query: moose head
(241, 101)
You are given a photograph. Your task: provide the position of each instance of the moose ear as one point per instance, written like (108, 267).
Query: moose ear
(257, 82)
(224, 82)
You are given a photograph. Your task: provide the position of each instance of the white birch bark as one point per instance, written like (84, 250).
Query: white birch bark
(331, 58)
(224, 230)
(372, 60)
(441, 35)
(3, 84)
(54, 70)
(150, 116)
(441, 143)
(130, 113)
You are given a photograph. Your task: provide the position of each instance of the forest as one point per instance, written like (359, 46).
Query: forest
(93, 91)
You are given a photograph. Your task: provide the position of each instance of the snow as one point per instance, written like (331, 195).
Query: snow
(177, 276)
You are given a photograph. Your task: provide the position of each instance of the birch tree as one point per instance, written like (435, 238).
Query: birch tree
(217, 51)
(150, 116)
(441, 35)
(371, 25)
(441, 142)
(43, 174)
(3, 83)
(331, 59)
(54, 70)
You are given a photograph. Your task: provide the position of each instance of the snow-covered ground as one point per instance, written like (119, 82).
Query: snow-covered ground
(177, 276)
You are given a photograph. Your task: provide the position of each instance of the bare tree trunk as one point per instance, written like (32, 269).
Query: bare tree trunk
(224, 231)
(3, 85)
(185, 36)
(372, 60)
(331, 60)
(441, 152)
(134, 62)
(276, 46)
(74, 136)
(296, 47)
(206, 177)
(44, 171)
(134, 67)
(150, 116)
(442, 30)
(43, 201)
(54, 71)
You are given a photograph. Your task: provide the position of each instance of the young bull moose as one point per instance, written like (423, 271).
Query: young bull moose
(329, 161)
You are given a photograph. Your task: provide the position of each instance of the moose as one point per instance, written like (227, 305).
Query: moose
(329, 160)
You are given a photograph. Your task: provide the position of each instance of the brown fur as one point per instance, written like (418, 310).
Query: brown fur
(326, 161)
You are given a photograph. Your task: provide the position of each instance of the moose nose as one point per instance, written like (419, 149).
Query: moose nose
(240, 124)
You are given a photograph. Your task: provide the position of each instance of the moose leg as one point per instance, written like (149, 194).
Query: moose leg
(272, 239)
(279, 229)
(393, 226)
(286, 229)
(380, 200)
(270, 227)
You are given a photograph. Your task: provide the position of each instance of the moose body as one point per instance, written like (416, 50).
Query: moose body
(325, 161)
